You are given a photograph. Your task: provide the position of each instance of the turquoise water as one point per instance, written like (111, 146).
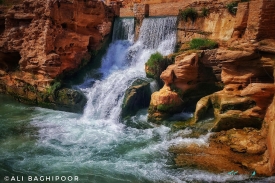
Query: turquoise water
(42, 142)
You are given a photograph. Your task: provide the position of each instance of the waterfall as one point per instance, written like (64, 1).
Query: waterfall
(123, 29)
(157, 31)
(124, 62)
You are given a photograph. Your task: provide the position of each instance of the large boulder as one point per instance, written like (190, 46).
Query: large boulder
(164, 103)
(137, 96)
(235, 107)
(184, 73)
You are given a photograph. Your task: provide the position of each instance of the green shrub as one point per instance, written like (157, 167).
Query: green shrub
(232, 7)
(156, 65)
(202, 44)
(204, 12)
(154, 59)
(190, 13)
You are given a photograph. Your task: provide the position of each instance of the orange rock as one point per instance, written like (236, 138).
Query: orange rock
(54, 39)
(164, 103)
(235, 107)
(183, 73)
(42, 40)
(239, 150)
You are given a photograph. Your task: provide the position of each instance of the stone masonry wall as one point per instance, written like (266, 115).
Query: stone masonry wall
(267, 22)
(253, 19)
(261, 20)
(126, 12)
(167, 9)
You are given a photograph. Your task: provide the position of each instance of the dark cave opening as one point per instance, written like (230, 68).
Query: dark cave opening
(9, 61)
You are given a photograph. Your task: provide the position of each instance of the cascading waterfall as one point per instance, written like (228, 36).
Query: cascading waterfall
(124, 62)
(95, 146)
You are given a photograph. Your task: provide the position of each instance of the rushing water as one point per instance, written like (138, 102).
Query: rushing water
(98, 146)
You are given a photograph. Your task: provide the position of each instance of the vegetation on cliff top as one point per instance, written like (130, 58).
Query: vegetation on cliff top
(202, 44)
(192, 14)
(204, 12)
(189, 13)
(232, 7)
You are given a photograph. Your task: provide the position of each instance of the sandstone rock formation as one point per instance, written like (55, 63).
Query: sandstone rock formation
(187, 81)
(248, 91)
(243, 112)
(44, 40)
(164, 103)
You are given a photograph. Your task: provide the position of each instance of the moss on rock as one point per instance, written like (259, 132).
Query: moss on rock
(137, 96)
(54, 97)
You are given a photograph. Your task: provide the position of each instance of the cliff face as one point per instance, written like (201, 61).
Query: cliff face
(244, 64)
(42, 40)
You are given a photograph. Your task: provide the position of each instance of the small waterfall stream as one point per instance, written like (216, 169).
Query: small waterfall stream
(96, 146)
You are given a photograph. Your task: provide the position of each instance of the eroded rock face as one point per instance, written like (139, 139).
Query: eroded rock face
(183, 73)
(43, 40)
(185, 81)
(248, 91)
(245, 65)
(235, 107)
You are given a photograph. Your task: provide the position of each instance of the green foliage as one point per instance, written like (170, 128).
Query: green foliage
(29, 87)
(1, 1)
(54, 87)
(155, 65)
(166, 107)
(204, 12)
(232, 7)
(190, 13)
(177, 90)
(154, 59)
(202, 44)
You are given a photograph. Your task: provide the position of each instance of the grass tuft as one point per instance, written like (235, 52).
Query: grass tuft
(189, 13)
(202, 44)
(232, 7)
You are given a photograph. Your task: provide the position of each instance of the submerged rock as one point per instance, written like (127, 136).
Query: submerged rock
(70, 100)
